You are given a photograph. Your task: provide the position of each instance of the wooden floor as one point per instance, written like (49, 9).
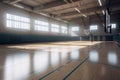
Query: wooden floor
(77, 60)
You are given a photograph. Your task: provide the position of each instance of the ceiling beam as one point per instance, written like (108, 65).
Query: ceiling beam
(89, 10)
(25, 6)
(80, 15)
(84, 11)
(11, 1)
(92, 18)
(51, 4)
(15, 1)
(72, 8)
(18, 3)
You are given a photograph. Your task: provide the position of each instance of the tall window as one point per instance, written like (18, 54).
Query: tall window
(93, 27)
(113, 26)
(17, 22)
(41, 25)
(54, 28)
(75, 28)
(64, 29)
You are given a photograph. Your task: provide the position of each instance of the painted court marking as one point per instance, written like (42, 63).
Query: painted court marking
(57, 69)
(65, 78)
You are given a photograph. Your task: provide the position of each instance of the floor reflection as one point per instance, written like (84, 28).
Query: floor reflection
(38, 60)
(112, 58)
(75, 55)
(54, 56)
(41, 61)
(93, 56)
(17, 66)
(64, 55)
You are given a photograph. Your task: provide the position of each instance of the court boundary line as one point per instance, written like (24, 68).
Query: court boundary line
(74, 69)
(57, 69)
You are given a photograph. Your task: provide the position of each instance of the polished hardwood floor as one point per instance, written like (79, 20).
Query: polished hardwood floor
(75, 60)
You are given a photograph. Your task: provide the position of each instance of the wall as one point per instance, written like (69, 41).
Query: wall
(5, 8)
(98, 38)
(28, 38)
(76, 23)
(84, 23)
(15, 36)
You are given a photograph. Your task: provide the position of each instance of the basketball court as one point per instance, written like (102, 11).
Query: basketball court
(73, 60)
(59, 39)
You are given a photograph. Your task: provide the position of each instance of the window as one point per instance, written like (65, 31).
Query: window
(93, 27)
(54, 28)
(64, 29)
(41, 25)
(18, 22)
(75, 28)
(113, 26)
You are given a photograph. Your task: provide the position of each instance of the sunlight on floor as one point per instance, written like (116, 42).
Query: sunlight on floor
(60, 45)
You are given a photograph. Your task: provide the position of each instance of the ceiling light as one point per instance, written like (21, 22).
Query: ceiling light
(103, 12)
(77, 10)
(44, 14)
(84, 15)
(100, 3)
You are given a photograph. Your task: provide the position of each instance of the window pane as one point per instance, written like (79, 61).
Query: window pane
(8, 16)
(64, 29)
(75, 28)
(9, 24)
(54, 28)
(41, 25)
(113, 26)
(18, 22)
(93, 27)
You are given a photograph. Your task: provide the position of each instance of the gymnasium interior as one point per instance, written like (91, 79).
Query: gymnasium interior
(59, 39)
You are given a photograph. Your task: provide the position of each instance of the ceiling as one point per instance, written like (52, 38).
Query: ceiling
(71, 9)
(114, 10)
(63, 9)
